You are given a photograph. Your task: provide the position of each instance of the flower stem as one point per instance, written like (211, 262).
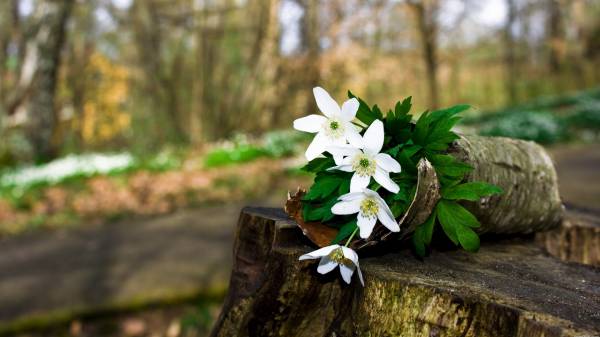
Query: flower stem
(351, 236)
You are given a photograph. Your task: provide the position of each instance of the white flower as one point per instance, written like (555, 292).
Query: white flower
(366, 161)
(335, 128)
(333, 256)
(370, 207)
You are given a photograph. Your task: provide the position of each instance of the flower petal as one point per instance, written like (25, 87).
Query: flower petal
(352, 196)
(353, 136)
(345, 168)
(343, 150)
(326, 265)
(349, 109)
(386, 162)
(347, 272)
(346, 207)
(387, 219)
(358, 182)
(310, 123)
(337, 159)
(383, 178)
(360, 277)
(373, 138)
(317, 146)
(319, 253)
(326, 104)
(352, 256)
(365, 225)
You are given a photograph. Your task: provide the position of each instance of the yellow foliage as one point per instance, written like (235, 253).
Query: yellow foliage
(104, 115)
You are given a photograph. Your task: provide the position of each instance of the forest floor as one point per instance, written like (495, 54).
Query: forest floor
(51, 277)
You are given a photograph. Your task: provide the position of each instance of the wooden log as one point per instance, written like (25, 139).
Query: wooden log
(530, 201)
(524, 170)
(509, 288)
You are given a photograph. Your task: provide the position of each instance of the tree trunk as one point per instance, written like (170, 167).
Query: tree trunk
(509, 52)
(426, 12)
(555, 37)
(311, 49)
(509, 288)
(42, 61)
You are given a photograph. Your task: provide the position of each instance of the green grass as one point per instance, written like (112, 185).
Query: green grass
(546, 120)
(274, 144)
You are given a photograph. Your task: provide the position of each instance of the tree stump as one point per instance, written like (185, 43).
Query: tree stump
(576, 240)
(509, 288)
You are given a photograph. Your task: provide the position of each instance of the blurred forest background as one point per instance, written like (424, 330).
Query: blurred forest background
(113, 112)
(112, 107)
(78, 76)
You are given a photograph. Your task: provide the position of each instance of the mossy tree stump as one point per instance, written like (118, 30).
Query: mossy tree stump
(509, 288)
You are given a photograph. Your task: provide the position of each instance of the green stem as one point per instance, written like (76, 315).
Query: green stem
(351, 236)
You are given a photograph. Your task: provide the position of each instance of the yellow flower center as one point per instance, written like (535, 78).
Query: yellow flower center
(369, 208)
(337, 256)
(363, 165)
(334, 129)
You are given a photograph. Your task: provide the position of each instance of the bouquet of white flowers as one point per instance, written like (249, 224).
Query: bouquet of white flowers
(372, 172)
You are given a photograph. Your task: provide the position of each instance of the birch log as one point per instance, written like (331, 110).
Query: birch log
(530, 202)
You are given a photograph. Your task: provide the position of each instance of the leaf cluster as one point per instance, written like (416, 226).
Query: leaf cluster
(407, 141)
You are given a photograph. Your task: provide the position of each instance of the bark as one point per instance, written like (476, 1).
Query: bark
(530, 202)
(40, 71)
(507, 289)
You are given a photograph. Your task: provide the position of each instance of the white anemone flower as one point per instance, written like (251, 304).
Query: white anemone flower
(370, 207)
(366, 161)
(333, 256)
(334, 128)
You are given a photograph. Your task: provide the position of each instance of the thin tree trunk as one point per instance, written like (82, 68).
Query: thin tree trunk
(555, 36)
(44, 55)
(425, 13)
(311, 48)
(509, 52)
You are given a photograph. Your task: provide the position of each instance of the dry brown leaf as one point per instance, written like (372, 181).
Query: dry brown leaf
(320, 234)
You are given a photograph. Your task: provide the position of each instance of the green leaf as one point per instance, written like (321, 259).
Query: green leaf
(423, 234)
(364, 113)
(398, 122)
(468, 239)
(427, 228)
(411, 150)
(419, 244)
(472, 191)
(421, 129)
(454, 212)
(453, 217)
(325, 184)
(318, 165)
(345, 232)
(447, 165)
(318, 212)
(433, 130)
